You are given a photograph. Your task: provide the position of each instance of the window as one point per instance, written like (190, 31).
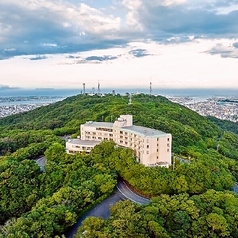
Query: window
(167, 150)
(167, 139)
(148, 146)
(168, 145)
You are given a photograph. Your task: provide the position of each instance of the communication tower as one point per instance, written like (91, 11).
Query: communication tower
(99, 89)
(130, 99)
(83, 88)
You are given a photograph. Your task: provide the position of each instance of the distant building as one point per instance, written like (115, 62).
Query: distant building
(152, 147)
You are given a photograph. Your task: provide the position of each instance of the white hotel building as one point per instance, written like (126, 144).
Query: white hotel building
(152, 147)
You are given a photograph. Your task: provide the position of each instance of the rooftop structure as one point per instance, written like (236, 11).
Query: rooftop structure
(152, 147)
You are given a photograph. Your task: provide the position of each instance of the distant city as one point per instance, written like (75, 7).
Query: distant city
(219, 107)
(19, 104)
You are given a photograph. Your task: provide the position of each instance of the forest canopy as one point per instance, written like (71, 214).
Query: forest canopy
(45, 203)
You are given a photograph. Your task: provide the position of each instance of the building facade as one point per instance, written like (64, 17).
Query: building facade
(151, 147)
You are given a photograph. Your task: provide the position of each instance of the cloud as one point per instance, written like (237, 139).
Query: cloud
(53, 27)
(179, 20)
(100, 58)
(38, 57)
(225, 51)
(38, 27)
(139, 53)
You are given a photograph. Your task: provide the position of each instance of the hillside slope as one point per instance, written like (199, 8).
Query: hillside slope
(65, 117)
(44, 204)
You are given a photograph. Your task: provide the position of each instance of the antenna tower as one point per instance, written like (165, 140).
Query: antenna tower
(98, 88)
(83, 88)
(150, 88)
(130, 99)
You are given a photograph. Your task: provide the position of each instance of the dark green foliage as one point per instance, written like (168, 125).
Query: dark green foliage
(47, 203)
(224, 124)
(211, 214)
(187, 127)
(44, 204)
(20, 187)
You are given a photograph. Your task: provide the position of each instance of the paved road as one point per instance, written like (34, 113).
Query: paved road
(128, 194)
(103, 209)
(235, 188)
(41, 162)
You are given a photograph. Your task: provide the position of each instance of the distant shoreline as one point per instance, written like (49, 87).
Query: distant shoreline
(44, 89)
(14, 92)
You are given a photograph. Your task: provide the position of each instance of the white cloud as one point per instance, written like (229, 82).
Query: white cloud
(93, 21)
(78, 17)
(225, 49)
(172, 2)
(172, 65)
(132, 16)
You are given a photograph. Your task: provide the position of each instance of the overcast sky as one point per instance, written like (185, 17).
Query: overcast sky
(119, 43)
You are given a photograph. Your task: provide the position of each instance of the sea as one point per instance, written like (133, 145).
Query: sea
(13, 96)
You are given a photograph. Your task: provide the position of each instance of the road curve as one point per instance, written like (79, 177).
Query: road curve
(127, 193)
(103, 209)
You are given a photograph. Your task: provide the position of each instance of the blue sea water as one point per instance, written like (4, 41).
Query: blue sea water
(38, 92)
(59, 94)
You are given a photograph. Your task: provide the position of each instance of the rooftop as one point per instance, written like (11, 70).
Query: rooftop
(139, 130)
(83, 142)
(99, 124)
(144, 131)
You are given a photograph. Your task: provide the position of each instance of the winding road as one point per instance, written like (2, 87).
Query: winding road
(127, 193)
(103, 209)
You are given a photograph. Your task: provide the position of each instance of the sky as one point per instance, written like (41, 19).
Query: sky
(119, 43)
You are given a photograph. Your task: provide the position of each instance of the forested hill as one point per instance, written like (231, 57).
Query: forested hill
(225, 124)
(65, 117)
(36, 203)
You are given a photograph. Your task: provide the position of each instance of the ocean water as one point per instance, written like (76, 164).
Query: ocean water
(9, 97)
(57, 94)
(38, 92)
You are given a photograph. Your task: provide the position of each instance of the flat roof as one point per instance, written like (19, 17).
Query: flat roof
(99, 124)
(139, 130)
(144, 131)
(83, 142)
